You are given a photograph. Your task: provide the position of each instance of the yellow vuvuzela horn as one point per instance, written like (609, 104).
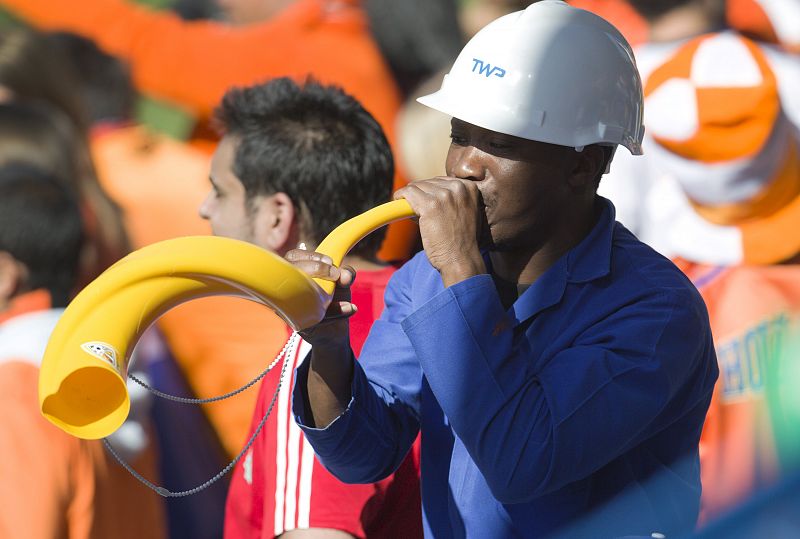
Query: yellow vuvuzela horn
(82, 385)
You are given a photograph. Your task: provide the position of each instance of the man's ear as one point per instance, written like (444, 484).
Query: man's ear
(277, 223)
(590, 164)
(12, 275)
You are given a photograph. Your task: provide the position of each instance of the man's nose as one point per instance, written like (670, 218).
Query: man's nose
(205, 207)
(468, 164)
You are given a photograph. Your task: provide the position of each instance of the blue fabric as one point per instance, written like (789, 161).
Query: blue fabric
(189, 452)
(577, 411)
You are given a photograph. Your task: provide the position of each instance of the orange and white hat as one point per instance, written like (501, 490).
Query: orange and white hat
(731, 155)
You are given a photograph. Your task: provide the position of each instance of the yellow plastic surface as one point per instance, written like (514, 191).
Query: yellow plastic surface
(82, 386)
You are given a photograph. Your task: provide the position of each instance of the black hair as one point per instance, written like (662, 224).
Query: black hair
(653, 9)
(41, 136)
(418, 38)
(33, 68)
(40, 226)
(103, 81)
(314, 143)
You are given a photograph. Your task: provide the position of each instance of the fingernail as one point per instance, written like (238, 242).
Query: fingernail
(334, 272)
(326, 259)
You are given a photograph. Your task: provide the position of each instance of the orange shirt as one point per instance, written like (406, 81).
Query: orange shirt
(194, 63)
(220, 344)
(55, 485)
(158, 182)
(48, 478)
(754, 312)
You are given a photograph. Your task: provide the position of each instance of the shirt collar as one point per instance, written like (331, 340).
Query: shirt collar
(589, 260)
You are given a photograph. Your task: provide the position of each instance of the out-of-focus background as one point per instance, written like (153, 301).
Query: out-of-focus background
(113, 100)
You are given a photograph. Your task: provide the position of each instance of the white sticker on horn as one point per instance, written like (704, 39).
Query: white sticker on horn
(102, 351)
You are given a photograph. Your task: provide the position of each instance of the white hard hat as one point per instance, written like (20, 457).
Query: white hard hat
(550, 73)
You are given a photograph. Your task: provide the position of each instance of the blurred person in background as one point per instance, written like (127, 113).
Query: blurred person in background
(53, 484)
(422, 134)
(158, 183)
(193, 63)
(295, 161)
(32, 70)
(672, 24)
(715, 187)
(219, 343)
(727, 208)
(771, 21)
(50, 128)
(418, 38)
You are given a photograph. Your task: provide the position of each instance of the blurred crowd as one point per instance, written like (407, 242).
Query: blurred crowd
(83, 182)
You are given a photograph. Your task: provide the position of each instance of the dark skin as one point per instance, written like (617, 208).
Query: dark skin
(526, 202)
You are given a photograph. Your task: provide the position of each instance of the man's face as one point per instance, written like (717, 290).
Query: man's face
(523, 183)
(226, 205)
(242, 12)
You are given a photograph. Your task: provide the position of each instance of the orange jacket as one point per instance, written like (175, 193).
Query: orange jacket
(194, 63)
(55, 485)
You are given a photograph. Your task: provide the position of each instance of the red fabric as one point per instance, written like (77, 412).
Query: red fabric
(390, 508)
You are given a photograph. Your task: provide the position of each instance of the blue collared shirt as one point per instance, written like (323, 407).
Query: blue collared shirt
(578, 410)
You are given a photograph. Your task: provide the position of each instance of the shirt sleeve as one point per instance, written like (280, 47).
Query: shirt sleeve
(373, 435)
(616, 386)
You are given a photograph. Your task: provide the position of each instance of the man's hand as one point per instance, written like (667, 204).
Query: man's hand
(451, 221)
(331, 371)
(333, 330)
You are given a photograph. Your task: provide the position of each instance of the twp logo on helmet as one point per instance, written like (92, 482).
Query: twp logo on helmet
(485, 68)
